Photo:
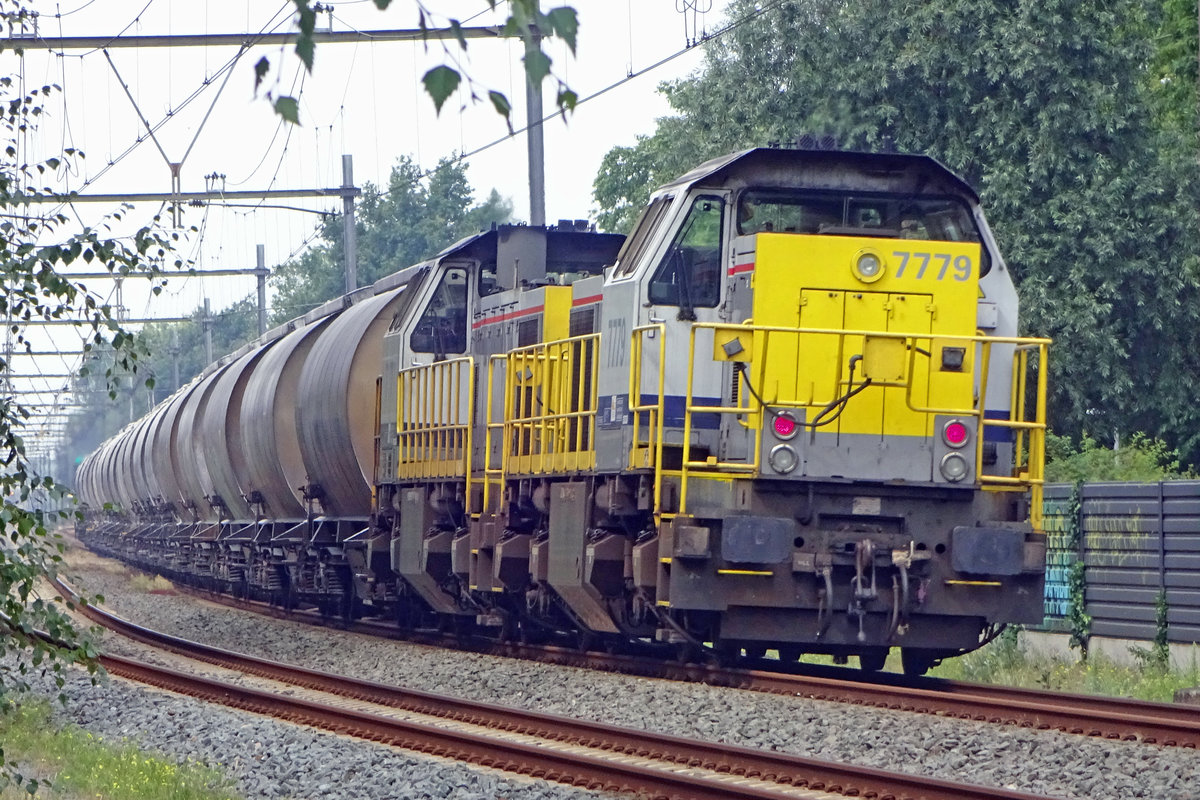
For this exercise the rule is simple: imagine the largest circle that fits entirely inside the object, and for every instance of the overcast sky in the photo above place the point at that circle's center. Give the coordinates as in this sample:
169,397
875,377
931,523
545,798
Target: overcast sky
363,99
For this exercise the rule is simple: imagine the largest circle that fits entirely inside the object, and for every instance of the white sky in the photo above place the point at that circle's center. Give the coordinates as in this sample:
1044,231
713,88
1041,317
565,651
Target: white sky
362,99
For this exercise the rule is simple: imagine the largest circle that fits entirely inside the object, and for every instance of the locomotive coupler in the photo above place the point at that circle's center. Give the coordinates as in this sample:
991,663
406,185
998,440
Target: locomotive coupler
864,591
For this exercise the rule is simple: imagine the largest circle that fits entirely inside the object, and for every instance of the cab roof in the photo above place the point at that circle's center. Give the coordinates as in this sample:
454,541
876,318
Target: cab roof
827,169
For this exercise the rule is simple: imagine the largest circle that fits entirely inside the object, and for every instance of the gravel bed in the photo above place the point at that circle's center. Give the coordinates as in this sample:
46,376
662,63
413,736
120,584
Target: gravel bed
1040,762
269,759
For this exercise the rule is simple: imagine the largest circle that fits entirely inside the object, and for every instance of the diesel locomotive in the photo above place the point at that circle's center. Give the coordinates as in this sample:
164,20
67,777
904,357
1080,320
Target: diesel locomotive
789,411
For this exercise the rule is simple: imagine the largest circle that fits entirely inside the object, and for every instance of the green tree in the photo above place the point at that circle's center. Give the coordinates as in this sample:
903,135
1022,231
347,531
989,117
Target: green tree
35,248
109,397
1045,107
410,220
1139,458
1173,74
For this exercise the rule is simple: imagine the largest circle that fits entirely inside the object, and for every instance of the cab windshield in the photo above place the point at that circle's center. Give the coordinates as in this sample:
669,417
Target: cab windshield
941,219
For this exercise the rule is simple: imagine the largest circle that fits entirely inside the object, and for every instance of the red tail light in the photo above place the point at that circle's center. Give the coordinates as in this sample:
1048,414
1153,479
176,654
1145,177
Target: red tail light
955,433
785,426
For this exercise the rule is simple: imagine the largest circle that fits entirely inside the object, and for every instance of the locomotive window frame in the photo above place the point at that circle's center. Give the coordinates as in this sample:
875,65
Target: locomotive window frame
689,275
442,326
637,242
921,217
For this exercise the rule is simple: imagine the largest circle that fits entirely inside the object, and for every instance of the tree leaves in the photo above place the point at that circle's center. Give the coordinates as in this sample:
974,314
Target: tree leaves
537,65
525,21
33,252
441,82
261,68
307,23
288,108
563,22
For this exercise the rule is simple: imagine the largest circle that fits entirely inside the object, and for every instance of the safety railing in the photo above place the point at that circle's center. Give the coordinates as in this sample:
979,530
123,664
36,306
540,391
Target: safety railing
549,400
647,409
435,408
1028,425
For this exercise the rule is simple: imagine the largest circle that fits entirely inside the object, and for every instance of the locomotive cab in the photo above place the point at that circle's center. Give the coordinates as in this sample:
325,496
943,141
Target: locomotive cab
847,450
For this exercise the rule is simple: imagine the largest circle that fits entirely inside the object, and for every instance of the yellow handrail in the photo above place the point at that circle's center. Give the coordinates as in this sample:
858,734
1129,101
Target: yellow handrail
551,394
1028,433
434,419
653,447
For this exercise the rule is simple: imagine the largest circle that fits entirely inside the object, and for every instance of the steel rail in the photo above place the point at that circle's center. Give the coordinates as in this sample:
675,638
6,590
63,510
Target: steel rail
779,772
1090,715
1097,716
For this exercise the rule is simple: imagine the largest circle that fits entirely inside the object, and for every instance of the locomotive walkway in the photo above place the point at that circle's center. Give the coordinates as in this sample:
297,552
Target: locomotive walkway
593,755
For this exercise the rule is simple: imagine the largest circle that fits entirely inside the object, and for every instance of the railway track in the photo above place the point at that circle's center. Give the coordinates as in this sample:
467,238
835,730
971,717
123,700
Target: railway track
580,753
1104,717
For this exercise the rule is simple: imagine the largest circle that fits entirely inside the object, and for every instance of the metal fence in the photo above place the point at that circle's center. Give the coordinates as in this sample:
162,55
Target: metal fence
1136,540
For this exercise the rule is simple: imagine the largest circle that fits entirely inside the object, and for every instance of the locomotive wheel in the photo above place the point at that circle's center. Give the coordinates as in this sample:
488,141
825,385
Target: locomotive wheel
917,662
790,654
345,608
726,654
687,653
873,660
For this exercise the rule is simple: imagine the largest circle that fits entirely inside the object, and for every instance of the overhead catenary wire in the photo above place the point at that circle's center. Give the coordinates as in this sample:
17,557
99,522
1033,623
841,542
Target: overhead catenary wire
271,26
633,75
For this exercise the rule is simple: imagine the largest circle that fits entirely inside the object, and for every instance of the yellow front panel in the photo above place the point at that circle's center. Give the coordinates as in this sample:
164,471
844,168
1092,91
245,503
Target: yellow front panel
819,308
923,289
556,315
909,313
865,311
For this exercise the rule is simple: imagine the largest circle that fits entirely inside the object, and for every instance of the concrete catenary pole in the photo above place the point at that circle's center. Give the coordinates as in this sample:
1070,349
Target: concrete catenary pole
537,149
262,289
349,230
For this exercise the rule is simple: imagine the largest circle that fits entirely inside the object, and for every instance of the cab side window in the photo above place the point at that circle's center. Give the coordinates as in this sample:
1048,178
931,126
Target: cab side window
690,275
442,329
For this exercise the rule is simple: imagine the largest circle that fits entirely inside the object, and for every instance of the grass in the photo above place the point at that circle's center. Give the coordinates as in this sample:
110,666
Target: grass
79,765
151,584
1006,661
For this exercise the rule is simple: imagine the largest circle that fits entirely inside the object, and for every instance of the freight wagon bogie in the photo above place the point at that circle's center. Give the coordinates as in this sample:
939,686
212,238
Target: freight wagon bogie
789,412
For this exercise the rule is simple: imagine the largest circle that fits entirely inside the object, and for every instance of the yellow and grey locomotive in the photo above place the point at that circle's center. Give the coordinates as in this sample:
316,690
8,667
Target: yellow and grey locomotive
789,411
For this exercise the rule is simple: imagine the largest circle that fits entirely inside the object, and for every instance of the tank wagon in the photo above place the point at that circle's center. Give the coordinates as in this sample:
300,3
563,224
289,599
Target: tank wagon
790,411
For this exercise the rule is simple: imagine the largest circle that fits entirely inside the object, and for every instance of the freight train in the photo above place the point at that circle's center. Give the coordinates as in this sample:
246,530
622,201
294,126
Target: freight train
790,411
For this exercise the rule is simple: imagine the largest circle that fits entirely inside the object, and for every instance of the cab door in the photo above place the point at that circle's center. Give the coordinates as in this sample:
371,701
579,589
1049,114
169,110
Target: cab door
686,286
434,402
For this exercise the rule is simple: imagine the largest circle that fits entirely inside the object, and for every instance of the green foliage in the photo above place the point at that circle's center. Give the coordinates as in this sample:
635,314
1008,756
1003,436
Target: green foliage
35,247
1141,458
1173,72
76,763
1156,658
411,219
440,83
526,21
1016,664
1078,620
1045,108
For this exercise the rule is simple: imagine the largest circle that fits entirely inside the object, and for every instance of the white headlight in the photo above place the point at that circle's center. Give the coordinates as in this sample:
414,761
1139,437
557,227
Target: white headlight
954,467
868,266
783,458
